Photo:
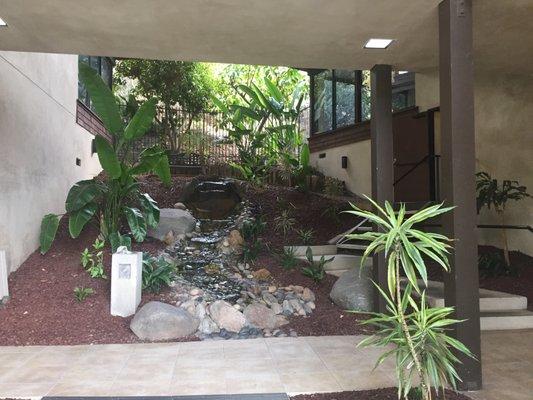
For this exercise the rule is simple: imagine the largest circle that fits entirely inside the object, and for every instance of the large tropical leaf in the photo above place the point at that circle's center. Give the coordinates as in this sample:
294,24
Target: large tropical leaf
49,226
136,222
102,98
141,121
78,219
162,170
81,194
304,156
108,158
151,210
273,90
116,240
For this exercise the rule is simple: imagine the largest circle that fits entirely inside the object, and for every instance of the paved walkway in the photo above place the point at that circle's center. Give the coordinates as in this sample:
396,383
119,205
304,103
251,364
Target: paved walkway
292,365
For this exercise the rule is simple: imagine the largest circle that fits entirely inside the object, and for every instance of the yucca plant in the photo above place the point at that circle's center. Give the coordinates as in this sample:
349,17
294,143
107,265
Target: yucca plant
417,331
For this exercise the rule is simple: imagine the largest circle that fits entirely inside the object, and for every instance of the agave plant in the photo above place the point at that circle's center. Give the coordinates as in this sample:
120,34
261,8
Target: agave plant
418,332
116,197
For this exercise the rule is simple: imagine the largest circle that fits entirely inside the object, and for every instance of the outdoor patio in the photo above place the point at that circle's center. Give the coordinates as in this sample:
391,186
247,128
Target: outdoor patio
292,365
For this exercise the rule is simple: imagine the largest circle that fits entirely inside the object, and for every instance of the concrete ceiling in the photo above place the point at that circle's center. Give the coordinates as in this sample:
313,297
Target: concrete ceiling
303,33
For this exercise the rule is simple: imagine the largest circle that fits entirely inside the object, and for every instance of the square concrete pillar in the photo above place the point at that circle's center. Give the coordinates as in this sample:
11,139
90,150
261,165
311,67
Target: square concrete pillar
126,282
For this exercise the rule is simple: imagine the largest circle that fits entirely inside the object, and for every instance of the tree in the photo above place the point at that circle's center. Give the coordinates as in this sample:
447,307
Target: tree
491,194
176,84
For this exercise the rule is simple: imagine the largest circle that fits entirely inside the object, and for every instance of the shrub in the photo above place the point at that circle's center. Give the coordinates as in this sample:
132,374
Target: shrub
315,269
333,186
284,223
81,293
416,332
93,260
251,229
493,264
251,250
288,258
116,197
306,235
157,272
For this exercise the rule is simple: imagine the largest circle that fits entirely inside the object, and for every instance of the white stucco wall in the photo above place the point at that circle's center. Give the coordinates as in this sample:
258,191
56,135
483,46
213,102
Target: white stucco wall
357,176
39,144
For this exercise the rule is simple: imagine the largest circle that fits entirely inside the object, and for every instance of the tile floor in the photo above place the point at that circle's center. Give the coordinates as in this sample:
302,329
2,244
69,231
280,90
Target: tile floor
292,365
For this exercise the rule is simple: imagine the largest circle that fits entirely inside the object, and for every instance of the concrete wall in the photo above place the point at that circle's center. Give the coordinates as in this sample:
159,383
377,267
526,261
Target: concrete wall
39,144
357,175
504,143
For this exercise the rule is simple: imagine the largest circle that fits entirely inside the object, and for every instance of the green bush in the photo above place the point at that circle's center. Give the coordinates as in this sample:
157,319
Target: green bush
157,273
493,265
333,186
81,293
93,260
252,229
116,197
284,223
288,258
306,235
315,269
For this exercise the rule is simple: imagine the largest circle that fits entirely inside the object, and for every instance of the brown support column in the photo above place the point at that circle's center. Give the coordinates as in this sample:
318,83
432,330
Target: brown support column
382,158
461,286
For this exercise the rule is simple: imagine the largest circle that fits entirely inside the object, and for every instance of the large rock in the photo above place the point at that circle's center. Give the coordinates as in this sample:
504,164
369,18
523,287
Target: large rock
354,291
226,316
171,219
161,321
211,198
263,317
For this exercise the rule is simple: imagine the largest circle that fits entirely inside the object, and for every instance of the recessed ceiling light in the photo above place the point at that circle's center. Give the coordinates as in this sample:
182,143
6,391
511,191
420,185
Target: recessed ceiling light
402,72
378,43
2,22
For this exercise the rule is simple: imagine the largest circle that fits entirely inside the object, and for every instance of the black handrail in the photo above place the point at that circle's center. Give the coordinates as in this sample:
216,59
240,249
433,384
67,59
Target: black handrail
488,226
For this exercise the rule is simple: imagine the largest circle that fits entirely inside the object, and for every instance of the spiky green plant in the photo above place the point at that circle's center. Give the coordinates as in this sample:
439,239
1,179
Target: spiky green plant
417,331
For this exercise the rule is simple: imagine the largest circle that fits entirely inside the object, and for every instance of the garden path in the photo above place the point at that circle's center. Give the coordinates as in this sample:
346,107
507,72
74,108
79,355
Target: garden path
292,365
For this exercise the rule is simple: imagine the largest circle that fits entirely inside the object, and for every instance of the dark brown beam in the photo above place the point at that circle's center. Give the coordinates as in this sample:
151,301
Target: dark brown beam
381,140
456,69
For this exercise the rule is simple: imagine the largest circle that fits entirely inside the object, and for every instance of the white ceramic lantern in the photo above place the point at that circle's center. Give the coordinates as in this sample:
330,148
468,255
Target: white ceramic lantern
4,290
126,282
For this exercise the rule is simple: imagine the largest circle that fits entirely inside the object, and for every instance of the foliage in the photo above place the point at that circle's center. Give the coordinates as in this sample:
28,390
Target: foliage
93,260
263,124
493,265
315,269
116,197
306,235
176,84
81,293
418,334
491,194
332,212
288,258
251,250
284,222
333,186
251,229
157,273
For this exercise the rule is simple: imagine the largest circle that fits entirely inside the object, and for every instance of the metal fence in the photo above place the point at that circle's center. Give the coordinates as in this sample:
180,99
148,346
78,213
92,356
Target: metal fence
202,138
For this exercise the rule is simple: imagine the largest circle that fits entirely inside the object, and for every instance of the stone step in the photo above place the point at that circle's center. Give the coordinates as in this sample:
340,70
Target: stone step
352,246
506,320
489,300
317,250
341,261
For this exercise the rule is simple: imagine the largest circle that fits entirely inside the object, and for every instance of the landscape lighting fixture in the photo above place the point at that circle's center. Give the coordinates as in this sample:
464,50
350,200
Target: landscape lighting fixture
378,43
2,22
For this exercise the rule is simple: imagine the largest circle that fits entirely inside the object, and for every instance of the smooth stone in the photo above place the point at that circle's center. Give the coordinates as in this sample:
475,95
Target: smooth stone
276,308
354,290
171,219
308,295
261,316
226,316
160,321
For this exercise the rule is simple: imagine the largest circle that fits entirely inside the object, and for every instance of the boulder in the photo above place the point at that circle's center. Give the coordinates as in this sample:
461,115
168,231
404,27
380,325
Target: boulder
211,198
171,219
160,321
262,274
354,291
226,316
262,317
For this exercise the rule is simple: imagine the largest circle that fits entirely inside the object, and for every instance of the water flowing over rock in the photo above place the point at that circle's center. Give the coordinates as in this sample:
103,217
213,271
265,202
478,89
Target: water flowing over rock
160,321
211,198
173,220
354,291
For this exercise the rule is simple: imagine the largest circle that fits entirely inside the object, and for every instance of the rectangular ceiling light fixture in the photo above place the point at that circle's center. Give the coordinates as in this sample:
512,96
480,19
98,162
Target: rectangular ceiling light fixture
2,22
378,43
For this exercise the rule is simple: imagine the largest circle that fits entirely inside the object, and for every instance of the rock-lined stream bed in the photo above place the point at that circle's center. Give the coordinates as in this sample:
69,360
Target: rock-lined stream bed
216,295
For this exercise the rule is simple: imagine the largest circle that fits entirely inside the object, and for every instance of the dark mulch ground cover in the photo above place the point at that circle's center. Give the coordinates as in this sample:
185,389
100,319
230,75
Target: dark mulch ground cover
376,394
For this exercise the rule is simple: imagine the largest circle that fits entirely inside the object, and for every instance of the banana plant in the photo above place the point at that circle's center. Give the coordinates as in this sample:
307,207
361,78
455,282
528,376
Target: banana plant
115,198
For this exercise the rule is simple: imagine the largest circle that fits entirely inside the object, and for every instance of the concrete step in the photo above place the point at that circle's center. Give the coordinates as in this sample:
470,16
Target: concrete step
506,320
489,300
317,250
340,262
352,246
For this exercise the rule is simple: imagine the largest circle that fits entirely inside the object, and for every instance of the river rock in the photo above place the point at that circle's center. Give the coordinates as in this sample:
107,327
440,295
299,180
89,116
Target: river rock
175,220
160,321
208,326
308,295
226,316
262,274
354,291
210,197
262,317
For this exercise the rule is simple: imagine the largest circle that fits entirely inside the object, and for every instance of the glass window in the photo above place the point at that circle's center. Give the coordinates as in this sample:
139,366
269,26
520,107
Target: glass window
345,97
104,68
323,92
403,90
365,96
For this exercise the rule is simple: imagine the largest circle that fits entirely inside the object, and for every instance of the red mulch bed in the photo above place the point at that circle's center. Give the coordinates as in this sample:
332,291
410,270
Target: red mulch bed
375,394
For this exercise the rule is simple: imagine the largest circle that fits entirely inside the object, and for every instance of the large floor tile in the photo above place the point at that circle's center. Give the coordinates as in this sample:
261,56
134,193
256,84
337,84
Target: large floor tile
310,382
